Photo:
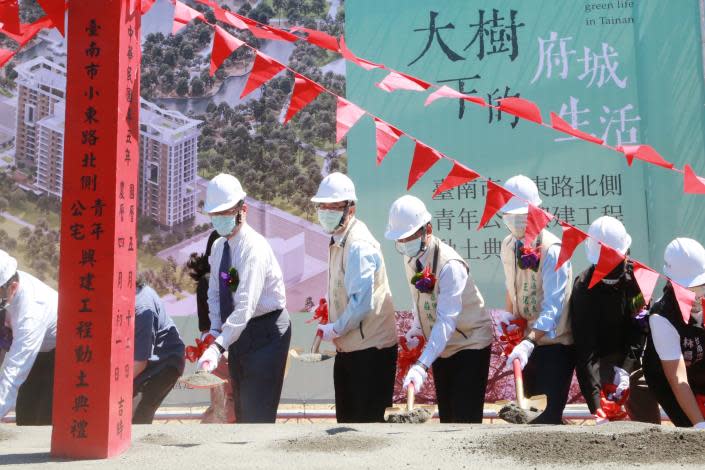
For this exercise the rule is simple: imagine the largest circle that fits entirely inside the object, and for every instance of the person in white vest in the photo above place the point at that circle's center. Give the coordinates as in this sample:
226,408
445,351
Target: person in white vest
361,313
448,313
28,339
539,294
247,306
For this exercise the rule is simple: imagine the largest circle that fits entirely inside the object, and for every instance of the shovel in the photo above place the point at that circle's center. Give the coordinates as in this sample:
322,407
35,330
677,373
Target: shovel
409,414
315,355
524,410
201,379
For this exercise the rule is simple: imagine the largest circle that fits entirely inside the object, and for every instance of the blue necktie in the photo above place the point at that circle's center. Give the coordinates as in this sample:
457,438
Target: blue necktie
226,297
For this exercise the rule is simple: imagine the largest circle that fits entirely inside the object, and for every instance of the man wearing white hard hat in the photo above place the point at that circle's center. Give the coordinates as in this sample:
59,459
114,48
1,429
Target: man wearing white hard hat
674,361
538,294
28,339
247,306
609,324
448,313
361,320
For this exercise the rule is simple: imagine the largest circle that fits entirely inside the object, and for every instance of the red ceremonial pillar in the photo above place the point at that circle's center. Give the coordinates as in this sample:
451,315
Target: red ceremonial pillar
94,354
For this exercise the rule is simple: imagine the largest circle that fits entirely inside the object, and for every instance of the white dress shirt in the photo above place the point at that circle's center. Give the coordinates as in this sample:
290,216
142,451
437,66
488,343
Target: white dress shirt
261,288
451,283
32,317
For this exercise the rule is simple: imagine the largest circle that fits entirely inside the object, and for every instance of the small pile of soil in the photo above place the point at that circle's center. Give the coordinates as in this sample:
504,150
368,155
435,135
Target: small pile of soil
650,446
415,416
202,380
511,413
333,443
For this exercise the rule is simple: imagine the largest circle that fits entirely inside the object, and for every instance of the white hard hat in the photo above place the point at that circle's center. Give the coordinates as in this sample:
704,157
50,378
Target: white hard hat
8,267
609,231
335,187
406,216
684,262
526,189
224,192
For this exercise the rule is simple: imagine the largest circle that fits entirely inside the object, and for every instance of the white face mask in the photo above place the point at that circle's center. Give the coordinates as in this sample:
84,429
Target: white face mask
410,248
224,224
516,223
329,219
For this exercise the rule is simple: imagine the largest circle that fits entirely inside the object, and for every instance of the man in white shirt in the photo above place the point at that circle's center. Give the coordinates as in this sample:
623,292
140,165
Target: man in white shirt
28,328
448,313
247,306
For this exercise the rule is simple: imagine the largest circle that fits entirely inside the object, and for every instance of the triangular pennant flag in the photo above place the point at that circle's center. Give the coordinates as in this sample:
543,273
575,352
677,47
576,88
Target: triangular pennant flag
685,298
458,175
10,16
424,158
386,135
225,16
497,197
304,92
560,125
447,92
536,221
348,55
29,31
647,279
572,237
609,259
146,5
398,81
346,116
5,56
224,44
692,183
522,108
269,32
645,153
183,15
263,70
56,10
319,38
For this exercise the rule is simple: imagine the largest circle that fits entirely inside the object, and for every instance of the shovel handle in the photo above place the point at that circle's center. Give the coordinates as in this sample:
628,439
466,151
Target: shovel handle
317,342
410,397
519,384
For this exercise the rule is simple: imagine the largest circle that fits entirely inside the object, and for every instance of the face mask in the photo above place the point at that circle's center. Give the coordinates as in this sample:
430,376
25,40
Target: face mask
329,219
698,304
516,223
410,248
225,224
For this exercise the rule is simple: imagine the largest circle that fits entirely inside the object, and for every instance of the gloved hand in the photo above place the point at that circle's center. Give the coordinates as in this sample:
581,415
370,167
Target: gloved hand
621,380
522,351
329,333
505,317
601,417
700,426
416,375
412,337
212,333
209,360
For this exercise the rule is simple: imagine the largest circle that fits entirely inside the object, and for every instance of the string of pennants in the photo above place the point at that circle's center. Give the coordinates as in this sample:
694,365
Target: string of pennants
348,114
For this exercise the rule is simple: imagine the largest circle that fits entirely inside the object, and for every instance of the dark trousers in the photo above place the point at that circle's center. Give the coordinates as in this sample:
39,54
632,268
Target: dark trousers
461,381
35,396
148,396
257,361
364,384
549,372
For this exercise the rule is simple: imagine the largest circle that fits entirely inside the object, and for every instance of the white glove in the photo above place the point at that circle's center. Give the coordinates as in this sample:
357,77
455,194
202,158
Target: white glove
416,375
329,333
412,337
521,351
213,333
505,317
700,426
209,359
621,380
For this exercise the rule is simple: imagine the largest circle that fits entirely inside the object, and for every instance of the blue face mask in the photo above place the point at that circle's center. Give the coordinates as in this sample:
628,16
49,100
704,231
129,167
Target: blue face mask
224,224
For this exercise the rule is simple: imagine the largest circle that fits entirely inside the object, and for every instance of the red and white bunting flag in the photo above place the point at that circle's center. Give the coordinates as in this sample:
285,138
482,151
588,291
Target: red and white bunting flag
224,44
304,92
271,33
145,5
645,153
424,158
264,69
5,56
399,81
225,16
183,15
647,279
609,259
537,220
10,16
572,237
685,298
318,38
692,183
386,136
349,55
346,116
29,31
522,108
497,197
458,175
447,92
560,125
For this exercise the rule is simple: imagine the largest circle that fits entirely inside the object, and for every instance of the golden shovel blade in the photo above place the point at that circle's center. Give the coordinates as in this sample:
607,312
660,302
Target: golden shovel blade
300,355
201,379
402,409
537,402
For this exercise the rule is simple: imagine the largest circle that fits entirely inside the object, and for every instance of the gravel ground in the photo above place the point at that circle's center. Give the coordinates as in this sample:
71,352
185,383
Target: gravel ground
385,446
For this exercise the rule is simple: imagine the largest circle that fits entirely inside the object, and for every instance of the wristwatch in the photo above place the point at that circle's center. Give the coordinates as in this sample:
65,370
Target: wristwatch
422,365
220,348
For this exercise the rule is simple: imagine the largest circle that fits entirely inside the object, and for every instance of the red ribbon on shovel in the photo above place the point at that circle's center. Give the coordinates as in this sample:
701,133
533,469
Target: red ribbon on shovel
613,410
511,338
193,353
